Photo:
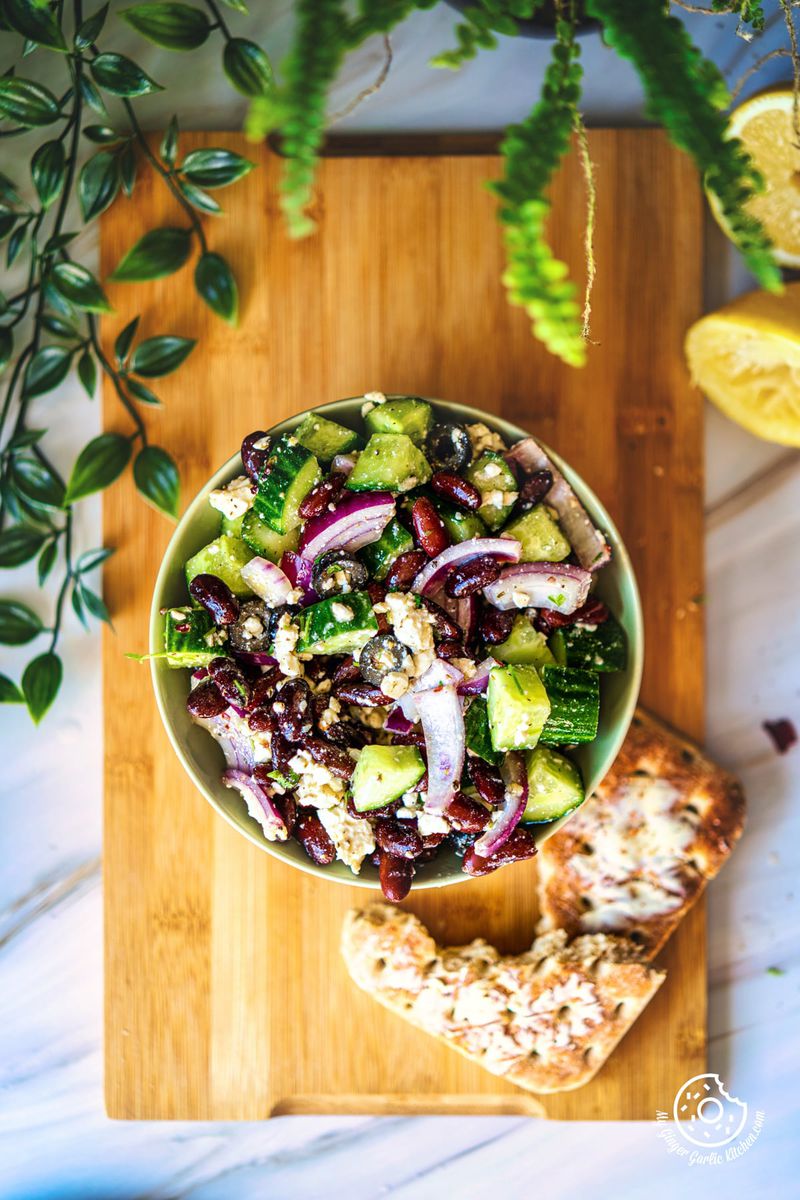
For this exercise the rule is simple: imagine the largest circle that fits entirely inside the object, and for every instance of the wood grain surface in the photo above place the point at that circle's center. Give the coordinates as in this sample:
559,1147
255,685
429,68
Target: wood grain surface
225,994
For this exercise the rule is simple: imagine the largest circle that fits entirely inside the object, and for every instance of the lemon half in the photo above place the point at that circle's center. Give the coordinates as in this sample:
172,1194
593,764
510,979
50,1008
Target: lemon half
765,125
746,358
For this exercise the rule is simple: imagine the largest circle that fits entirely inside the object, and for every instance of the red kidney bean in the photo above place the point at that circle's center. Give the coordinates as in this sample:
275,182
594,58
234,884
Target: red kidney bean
443,626
450,649
400,838
455,489
313,837
361,693
519,846
293,709
429,528
206,700
429,853
465,815
264,686
216,598
254,460
346,734
346,671
533,490
287,807
233,684
431,840
471,577
395,875
593,612
494,626
337,761
487,781
282,754
325,493
405,569
414,737
261,720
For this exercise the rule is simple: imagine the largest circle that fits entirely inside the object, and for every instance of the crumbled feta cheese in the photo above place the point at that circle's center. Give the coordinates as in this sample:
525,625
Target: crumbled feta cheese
371,399
429,823
337,582
291,441
484,438
341,612
286,636
330,715
412,625
491,470
262,443
252,627
521,599
405,814
352,836
316,786
466,666
216,637
368,716
235,499
395,684
499,499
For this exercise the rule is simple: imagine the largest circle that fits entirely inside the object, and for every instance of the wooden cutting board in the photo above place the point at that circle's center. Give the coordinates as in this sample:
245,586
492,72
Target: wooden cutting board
225,995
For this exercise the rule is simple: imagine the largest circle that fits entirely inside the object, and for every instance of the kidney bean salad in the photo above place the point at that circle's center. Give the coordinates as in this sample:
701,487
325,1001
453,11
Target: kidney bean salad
394,638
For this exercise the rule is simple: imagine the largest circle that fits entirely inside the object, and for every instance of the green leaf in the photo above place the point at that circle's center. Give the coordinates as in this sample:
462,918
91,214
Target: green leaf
158,356
80,287
156,476
127,169
35,22
169,142
248,67
15,243
9,195
121,76
93,558
160,252
19,545
7,223
98,183
95,604
6,348
199,199
46,562
58,326
92,97
27,103
46,370
142,393
18,623
9,692
236,5
173,26
99,463
25,438
88,31
215,168
102,135
215,282
87,373
124,341
57,242
48,170
77,605
37,483
41,680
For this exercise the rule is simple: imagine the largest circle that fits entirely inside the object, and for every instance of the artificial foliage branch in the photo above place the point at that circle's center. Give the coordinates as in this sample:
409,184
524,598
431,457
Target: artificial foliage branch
49,327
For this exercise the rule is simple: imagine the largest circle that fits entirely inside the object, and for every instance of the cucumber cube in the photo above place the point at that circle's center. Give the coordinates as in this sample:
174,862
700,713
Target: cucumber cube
408,415
524,645
555,785
224,557
338,625
325,439
518,707
390,462
378,556
383,773
190,638
539,535
574,696
477,733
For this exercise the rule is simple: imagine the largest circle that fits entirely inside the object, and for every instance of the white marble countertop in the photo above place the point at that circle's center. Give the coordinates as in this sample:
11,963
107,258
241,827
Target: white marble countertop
55,1140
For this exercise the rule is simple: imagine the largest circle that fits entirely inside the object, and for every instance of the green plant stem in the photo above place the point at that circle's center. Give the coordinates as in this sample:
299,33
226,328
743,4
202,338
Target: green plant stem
69,574
127,403
166,176
220,20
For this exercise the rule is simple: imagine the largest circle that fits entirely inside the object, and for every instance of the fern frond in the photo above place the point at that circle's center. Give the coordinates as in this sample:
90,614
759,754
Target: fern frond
480,24
532,150
685,93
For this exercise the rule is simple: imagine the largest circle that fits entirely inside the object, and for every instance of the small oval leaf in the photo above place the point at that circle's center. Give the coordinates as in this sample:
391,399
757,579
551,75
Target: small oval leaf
169,142
37,483
99,463
142,393
160,252
48,169
46,370
92,97
27,103
41,680
18,623
80,287
199,199
19,545
215,168
173,26
35,22
248,67
121,76
156,477
160,355
6,348
88,31
46,562
9,692
124,341
215,282
87,373
98,183
102,135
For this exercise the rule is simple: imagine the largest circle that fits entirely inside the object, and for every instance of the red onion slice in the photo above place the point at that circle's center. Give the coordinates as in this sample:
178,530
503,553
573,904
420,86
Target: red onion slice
268,581
343,464
236,745
397,722
504,820
443,726
560,587
255,658
354,522
259,804
432,576
589,543
299,571
439,674
480,680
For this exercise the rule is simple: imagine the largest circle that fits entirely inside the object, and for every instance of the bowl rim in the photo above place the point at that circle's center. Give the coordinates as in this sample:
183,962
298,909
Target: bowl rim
466,414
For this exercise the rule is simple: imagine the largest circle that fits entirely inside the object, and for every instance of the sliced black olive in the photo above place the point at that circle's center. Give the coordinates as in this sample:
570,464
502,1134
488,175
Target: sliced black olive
274,615
336,572
448,448
251,629
380,657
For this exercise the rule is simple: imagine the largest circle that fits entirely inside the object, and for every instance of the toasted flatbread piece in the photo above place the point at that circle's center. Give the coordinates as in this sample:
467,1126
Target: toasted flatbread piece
545,1020
639,852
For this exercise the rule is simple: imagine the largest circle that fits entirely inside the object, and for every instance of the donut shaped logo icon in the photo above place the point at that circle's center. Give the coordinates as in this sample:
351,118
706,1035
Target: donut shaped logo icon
705,1114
